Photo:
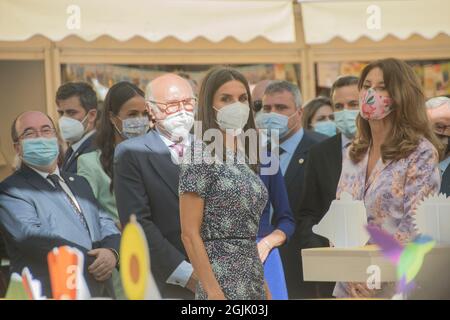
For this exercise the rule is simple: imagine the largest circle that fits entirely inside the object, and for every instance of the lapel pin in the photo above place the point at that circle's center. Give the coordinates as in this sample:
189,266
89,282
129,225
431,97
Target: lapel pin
71,179
301,161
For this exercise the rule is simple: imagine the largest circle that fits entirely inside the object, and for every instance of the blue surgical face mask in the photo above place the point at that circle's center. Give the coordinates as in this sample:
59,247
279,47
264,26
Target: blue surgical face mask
40,152
327,128
273,121
346,122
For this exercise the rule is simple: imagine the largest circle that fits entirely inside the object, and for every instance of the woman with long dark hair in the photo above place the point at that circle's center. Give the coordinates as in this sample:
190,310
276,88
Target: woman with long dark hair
124,116
392,164
221,196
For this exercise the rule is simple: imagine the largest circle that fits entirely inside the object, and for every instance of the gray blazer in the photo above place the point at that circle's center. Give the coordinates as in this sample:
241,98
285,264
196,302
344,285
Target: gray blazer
146,184
35,219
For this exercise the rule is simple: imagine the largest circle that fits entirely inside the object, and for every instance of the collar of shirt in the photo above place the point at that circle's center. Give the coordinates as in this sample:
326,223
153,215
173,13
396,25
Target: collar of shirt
292,143
169,142
345,141
77,145
444,164
46,174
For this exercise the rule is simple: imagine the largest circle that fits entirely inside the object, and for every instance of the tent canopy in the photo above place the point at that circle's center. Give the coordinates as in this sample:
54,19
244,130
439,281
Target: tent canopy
350,20
153,20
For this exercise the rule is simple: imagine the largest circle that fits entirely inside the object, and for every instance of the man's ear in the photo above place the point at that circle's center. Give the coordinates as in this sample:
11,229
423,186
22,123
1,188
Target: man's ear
18,148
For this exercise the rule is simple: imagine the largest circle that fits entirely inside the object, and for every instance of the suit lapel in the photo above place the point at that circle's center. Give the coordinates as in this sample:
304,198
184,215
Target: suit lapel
85,147
43,186
161,160
298,159
77,192
338,151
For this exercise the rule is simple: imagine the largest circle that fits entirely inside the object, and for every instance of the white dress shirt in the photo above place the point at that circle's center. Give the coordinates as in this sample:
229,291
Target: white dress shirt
184,270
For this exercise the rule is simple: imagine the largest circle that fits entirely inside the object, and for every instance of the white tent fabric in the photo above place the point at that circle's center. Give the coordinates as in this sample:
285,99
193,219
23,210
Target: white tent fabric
153,20
350,20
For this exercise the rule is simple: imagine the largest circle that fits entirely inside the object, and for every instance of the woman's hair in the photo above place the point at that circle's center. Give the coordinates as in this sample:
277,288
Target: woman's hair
310,109
116,97
206,114
409,117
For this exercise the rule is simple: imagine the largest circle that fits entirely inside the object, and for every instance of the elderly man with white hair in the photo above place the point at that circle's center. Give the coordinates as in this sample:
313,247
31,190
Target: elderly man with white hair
439,114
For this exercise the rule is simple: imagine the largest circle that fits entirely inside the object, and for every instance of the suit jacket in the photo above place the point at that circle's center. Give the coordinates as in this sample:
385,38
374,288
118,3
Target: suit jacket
146,184
445,184
293,177
35,219
70,161
322,173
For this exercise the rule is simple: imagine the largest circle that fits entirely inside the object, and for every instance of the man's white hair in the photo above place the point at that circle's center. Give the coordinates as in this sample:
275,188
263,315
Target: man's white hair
437,102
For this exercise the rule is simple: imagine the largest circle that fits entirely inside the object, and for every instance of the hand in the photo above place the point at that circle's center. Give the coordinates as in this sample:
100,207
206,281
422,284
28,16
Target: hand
104,264
359,290
264,249
268,294
192,283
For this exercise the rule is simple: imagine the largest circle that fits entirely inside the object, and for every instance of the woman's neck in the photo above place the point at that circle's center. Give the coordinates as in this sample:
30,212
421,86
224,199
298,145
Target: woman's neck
230,142
380,130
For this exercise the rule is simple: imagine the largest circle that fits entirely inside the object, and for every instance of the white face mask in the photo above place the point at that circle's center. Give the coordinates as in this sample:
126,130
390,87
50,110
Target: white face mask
233,116
178,125
71,130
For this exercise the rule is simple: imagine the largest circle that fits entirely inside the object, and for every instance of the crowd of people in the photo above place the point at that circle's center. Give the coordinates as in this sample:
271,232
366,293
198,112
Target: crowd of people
220,229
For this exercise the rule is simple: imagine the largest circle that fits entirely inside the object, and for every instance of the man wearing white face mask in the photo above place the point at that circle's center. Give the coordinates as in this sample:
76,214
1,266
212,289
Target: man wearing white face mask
146,175
282,111
77,108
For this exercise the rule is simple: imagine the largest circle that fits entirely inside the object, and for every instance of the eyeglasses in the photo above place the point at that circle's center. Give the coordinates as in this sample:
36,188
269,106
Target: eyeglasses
257,105
441,128
31,133
175,106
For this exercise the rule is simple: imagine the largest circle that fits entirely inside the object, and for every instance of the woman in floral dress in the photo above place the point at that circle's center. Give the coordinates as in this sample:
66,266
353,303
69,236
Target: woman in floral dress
221,195
392,164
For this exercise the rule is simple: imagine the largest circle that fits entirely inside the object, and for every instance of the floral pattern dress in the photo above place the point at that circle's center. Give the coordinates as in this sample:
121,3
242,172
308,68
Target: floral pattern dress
394,189
234,198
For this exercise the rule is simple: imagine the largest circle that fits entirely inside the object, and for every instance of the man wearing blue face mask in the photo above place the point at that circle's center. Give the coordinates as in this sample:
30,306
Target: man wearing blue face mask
42,208
323,169
77,108
281,110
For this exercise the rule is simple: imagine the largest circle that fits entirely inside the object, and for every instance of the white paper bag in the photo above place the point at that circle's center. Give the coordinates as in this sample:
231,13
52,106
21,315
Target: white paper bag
433,218
344,223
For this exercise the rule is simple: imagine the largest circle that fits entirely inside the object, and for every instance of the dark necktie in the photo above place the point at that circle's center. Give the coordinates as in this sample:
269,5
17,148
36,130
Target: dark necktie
55,179
280,149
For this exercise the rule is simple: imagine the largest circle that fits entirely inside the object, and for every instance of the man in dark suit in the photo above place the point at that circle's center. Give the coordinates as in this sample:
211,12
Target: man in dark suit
77,108
323,171
42,208
438,109
146,174
281,109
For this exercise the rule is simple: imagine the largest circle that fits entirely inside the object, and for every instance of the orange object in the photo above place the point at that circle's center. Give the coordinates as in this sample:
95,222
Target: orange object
63,265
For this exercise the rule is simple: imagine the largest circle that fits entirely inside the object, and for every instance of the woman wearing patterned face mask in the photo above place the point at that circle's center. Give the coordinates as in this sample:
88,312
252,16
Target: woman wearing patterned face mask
392,164
124,116
221,201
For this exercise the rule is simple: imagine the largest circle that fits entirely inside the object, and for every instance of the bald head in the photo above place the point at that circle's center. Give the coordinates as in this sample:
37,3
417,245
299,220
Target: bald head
30,120
169,87
258,90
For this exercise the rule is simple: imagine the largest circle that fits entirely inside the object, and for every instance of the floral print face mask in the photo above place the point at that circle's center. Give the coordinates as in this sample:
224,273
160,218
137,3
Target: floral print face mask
374,106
